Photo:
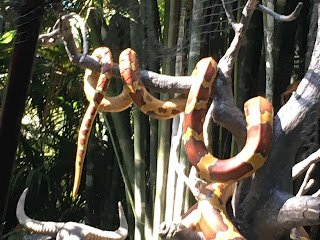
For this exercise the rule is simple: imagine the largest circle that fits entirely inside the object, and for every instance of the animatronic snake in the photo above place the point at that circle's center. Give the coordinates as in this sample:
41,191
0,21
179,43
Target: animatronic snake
105,56
211,217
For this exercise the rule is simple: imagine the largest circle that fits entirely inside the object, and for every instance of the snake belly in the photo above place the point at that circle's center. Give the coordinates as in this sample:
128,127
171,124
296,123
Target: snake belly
155,108
209,214
105,56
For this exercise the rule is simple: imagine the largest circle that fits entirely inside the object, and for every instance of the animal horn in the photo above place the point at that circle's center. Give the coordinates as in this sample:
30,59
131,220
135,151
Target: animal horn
120,234
46,228
70,230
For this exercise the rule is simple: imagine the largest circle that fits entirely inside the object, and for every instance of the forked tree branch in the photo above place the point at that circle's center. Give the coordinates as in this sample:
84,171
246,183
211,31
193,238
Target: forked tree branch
154,81
223,108
307,181
303,166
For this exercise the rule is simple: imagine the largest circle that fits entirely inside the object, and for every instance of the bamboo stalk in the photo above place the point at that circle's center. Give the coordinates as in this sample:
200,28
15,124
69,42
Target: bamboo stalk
139,168
171,180
183,163
162,165
175,150
124,176
111,205
165,125
268,22
195,41
153,27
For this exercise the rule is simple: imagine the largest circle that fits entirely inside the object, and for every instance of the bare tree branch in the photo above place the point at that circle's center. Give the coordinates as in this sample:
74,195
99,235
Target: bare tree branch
316,194
306,182
152,80
228,10
223,108
302,166
300,211
52,38
282,18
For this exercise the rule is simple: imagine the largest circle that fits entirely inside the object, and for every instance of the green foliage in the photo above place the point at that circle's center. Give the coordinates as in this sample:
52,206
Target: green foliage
7,37
16,234
46,151
161,6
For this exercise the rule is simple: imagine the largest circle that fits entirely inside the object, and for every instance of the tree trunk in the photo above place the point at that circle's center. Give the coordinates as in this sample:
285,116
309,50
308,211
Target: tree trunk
164,132
153,50
272,185
12,109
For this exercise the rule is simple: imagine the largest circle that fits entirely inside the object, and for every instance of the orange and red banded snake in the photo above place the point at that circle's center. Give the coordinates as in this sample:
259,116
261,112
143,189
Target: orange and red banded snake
108,104
209,214
259,114
105,56
212,219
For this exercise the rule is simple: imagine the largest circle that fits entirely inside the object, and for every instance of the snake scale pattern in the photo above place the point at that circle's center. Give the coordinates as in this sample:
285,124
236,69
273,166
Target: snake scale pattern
210,216
104,55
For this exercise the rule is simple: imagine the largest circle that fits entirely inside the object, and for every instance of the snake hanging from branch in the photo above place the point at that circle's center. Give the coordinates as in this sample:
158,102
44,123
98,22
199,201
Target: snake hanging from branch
209,214
133,91
108,104
96,93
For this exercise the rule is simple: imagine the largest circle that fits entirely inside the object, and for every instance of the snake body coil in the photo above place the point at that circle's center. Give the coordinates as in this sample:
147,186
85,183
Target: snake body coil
129,70
209,214
259,117
108,104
